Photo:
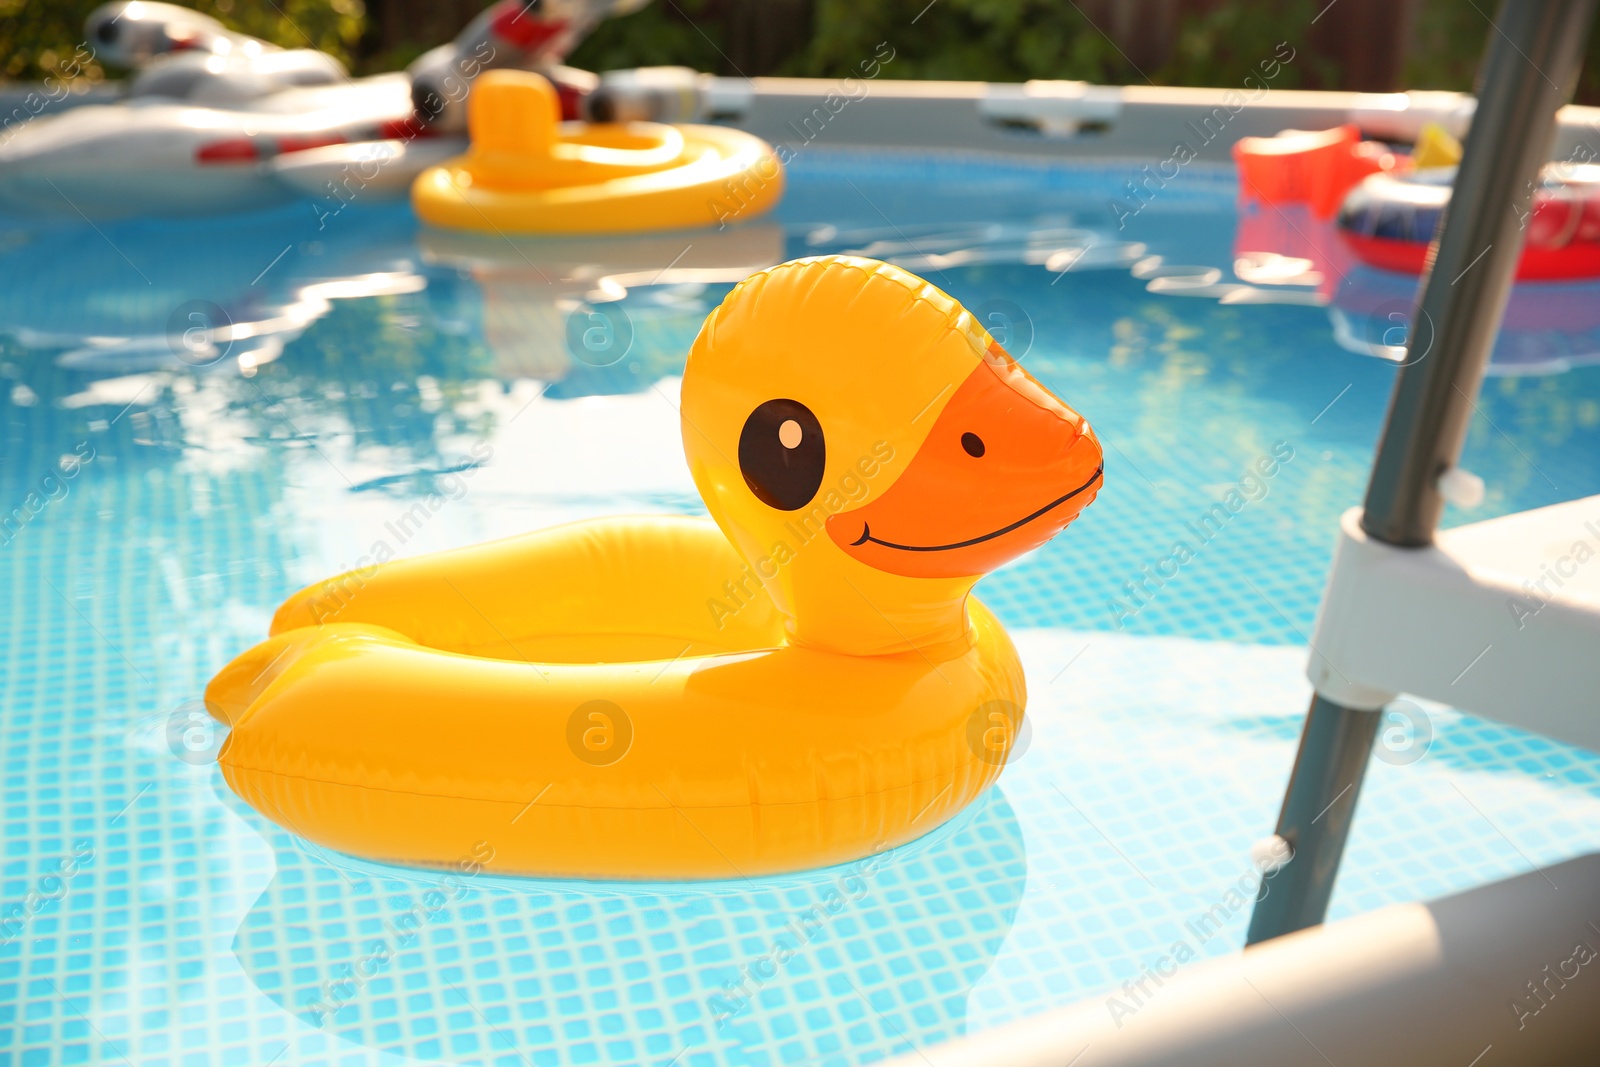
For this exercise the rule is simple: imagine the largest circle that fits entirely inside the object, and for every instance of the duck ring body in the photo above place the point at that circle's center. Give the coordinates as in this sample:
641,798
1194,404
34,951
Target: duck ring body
802,681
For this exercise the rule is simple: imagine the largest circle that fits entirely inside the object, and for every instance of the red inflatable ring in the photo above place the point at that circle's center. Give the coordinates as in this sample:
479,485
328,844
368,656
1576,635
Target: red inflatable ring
1389,221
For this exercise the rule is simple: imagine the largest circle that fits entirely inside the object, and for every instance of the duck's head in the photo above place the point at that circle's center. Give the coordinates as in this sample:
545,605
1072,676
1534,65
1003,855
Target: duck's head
872,452
519,144
514,117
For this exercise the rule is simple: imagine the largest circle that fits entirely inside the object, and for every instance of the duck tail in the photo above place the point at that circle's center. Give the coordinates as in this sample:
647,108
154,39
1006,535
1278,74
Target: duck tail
237,686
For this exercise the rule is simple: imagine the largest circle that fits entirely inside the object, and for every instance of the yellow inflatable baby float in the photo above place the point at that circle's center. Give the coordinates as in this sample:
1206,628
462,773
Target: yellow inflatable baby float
529,173
801,682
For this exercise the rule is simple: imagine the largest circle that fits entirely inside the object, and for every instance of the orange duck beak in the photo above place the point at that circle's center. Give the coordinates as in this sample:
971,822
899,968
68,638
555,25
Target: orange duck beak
1005,468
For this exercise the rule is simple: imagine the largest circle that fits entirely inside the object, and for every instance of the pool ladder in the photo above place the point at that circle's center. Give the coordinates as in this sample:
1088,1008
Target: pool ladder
1440,616
1494,618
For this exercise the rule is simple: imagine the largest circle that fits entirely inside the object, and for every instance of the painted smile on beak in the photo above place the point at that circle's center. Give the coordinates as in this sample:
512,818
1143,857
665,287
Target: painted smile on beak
866,530
1005,468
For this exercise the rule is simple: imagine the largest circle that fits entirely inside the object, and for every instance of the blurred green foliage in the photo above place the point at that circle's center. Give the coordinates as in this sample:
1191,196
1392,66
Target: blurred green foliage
983,40
666,33
1014,40
333,26
1437,58
37,36
1449,40
1216,44
1219,47
993,40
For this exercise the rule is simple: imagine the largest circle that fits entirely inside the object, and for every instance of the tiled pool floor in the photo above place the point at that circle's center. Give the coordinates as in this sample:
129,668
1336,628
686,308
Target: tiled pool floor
148,919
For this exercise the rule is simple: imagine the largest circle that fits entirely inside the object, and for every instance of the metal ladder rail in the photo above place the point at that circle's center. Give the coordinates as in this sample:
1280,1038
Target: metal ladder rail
1531,68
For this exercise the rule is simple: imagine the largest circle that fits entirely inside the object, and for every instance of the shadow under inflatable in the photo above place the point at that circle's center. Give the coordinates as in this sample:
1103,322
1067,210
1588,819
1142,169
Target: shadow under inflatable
845,963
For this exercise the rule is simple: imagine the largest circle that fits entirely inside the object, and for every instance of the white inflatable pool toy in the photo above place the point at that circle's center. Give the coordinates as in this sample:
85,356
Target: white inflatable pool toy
338,175
137,32
218,121
507,34
154,155
205,115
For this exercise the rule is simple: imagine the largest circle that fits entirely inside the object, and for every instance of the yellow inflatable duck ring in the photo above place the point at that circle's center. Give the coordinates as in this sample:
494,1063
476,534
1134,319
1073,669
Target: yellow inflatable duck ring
801,682
527,172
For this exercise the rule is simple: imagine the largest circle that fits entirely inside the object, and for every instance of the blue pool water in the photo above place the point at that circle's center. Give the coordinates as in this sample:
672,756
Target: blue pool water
148,918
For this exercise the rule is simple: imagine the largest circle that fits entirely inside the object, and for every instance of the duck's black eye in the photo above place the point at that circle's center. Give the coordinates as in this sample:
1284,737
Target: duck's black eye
973,444
781,454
